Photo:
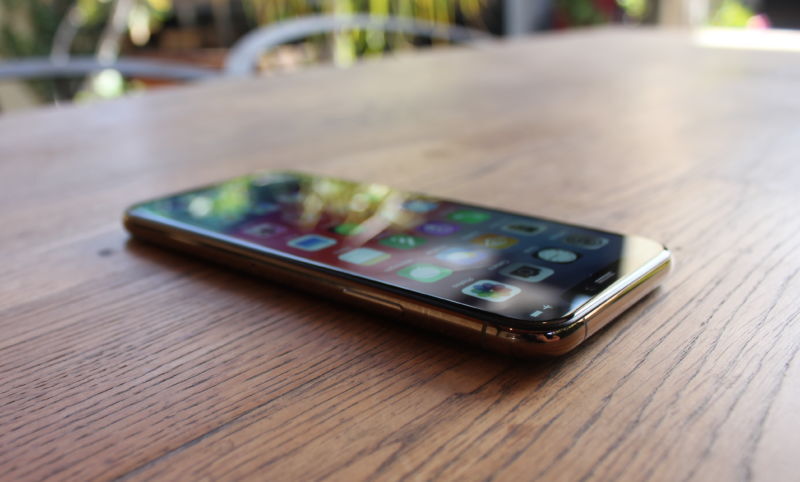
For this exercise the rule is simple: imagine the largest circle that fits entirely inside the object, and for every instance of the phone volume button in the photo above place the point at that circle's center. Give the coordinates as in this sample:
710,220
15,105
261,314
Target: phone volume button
374,301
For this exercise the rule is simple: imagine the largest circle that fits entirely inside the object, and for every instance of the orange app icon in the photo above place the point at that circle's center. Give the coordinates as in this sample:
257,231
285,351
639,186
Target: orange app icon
494,241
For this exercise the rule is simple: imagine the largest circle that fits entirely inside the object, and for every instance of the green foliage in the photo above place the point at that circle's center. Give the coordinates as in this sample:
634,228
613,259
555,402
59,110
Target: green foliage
21,25
28,27
731,14
636,9
581,12
347,46
268,11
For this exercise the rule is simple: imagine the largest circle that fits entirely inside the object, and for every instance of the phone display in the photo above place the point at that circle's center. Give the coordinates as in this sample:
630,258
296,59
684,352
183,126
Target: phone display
481,261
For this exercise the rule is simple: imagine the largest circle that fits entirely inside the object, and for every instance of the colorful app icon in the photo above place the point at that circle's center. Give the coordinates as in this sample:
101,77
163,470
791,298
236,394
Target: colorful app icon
524,228
420,205
527,272
468,216
263,230
425,273
489,290
464,256
438,228
311,242
348,229
366,256
494,241
557,255
403,241
586,241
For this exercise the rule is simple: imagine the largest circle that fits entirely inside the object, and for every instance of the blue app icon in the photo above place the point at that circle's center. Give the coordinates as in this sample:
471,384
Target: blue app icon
438,228
312,242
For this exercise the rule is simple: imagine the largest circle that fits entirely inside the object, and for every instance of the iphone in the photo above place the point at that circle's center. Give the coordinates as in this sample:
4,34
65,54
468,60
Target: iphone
518,284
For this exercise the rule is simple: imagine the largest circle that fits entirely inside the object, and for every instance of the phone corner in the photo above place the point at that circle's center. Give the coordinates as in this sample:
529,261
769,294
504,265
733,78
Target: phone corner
128,217
131,219
540,344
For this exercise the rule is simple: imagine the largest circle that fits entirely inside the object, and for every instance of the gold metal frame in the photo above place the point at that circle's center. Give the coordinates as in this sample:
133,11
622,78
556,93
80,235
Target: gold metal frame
652,266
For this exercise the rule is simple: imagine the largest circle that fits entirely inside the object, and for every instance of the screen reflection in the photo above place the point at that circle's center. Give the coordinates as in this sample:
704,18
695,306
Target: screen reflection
506,264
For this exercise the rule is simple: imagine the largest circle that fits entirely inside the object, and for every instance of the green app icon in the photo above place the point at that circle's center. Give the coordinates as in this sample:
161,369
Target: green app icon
468,216
348,229
402,241
425,273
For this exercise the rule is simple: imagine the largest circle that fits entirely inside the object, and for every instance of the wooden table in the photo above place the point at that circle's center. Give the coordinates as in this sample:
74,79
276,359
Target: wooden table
120,360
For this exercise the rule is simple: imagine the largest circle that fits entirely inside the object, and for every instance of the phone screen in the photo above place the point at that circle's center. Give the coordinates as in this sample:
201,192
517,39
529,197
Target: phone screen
473,258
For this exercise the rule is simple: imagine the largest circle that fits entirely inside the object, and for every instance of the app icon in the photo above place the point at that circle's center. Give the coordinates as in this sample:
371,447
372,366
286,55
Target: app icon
468,216
426,273
311,242
263,230
365,256
403,241
494,241
463,256
527,272
587,241
420,205
438,228
524,228
557,255
199,206
264,208
491,290
348,229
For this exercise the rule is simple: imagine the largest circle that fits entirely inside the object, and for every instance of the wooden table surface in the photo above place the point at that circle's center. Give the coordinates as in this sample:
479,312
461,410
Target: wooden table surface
120,360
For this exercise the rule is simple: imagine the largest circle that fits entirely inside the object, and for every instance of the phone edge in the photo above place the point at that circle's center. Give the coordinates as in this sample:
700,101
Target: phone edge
509,341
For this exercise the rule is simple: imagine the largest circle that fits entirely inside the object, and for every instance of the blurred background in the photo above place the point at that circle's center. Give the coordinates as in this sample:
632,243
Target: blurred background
56,51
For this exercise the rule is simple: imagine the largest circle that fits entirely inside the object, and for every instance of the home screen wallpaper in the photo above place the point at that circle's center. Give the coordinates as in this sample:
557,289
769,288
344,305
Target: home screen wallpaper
507,264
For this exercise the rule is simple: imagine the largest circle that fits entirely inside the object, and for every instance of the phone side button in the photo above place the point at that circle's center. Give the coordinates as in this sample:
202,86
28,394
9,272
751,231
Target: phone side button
375,302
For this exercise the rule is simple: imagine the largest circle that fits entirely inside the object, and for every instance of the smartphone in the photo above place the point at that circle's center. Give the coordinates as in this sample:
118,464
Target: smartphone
518,284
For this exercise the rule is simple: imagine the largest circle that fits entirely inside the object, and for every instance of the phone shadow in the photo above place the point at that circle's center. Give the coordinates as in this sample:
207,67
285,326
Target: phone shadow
305,325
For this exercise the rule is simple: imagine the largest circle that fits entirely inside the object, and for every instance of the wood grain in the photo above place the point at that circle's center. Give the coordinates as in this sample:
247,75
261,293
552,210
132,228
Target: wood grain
118,360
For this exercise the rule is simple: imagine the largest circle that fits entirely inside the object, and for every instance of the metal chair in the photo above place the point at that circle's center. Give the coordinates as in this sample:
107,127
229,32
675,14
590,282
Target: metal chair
243,57
45,67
